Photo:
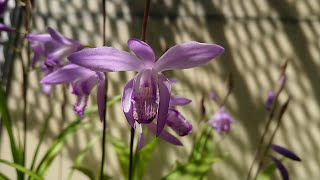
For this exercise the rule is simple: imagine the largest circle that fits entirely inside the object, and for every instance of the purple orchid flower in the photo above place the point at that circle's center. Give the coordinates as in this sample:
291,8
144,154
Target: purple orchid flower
54,47
283,170
221,121
3,6
147,95
83,81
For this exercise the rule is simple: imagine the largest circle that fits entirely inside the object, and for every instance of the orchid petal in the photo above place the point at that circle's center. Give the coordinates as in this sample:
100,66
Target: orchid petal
39,37
179,101
6,28
142,50
165,135
66,74
142,140
106,59
285,152
164,98
127,104
188,55
101,99
283,170
58,36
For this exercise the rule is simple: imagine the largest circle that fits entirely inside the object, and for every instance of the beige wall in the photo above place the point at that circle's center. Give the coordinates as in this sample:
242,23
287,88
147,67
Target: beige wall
258,37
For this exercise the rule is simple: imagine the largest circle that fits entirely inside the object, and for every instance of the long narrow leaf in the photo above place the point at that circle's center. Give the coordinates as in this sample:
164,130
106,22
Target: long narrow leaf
81,156
59,141
3,177
20,168
57,145
143,157
85,171
5,116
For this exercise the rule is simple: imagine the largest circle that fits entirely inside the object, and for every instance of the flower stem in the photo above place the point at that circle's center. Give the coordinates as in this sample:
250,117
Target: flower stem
131,165
143,38
145,19
103,143
264,152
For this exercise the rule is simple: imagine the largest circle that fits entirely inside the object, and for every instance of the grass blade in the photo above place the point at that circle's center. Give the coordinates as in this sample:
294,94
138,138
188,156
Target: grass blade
20,168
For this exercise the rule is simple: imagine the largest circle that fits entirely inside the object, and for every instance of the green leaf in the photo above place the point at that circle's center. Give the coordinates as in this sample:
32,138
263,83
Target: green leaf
57,145
82,155
85,171
59,141
6,119
3,177
122,152
267,173
20,168
200,160
143,157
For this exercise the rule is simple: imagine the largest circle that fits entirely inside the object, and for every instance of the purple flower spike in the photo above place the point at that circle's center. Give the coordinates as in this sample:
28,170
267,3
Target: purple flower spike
283,170
221,121
285,152
83,81
270,100
147,95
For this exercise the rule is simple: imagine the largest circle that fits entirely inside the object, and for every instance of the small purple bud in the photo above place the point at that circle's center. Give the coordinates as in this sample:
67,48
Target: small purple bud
221,121
283,170
178,123
270,100
213,96
285,152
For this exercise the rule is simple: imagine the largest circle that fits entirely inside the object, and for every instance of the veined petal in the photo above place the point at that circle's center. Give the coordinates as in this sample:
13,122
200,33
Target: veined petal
164,98
164,135
127,104
66,74
143,51
283,170
101,99
106,59
179,101
188,55
144,96
57,36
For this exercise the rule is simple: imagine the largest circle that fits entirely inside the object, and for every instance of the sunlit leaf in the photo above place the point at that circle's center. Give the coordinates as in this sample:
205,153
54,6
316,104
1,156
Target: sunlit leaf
85,171
20,168
6,119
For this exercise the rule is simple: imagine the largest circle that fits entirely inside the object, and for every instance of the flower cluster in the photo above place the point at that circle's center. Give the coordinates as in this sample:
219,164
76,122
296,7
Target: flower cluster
52,48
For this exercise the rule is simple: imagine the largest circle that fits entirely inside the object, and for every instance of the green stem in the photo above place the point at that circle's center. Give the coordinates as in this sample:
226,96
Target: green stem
131,164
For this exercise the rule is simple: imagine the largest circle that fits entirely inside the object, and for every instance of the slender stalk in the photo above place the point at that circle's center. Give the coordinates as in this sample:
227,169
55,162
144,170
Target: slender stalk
131,164
143,38
63,118
145,19
103,143
264,153
265,131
